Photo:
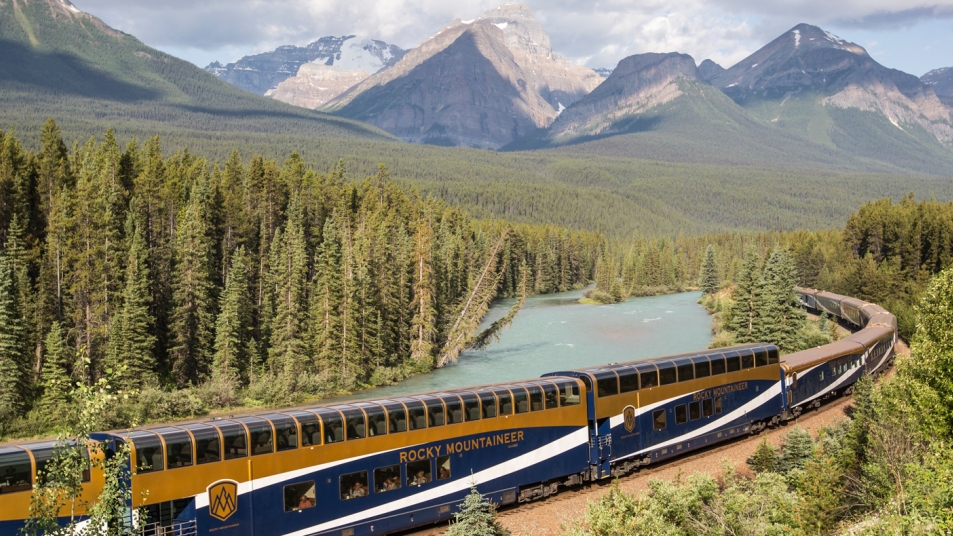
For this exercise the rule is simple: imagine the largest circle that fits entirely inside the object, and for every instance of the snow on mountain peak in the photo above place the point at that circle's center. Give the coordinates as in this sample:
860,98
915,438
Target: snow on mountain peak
70,6
797,38
361,54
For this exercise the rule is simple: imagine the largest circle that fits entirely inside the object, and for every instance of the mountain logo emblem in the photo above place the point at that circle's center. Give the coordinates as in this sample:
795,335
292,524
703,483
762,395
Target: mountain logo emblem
628,414
223,499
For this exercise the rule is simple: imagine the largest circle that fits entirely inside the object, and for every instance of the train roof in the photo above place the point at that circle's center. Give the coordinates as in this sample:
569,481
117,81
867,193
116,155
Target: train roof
805,359
664,360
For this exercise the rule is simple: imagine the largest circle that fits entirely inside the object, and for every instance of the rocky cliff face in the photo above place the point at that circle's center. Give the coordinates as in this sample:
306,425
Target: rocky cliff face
639,83
481,83
809,60
316,84
941,80
263,72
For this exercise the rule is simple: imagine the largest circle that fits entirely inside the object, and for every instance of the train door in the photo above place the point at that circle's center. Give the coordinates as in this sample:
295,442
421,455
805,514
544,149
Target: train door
598,445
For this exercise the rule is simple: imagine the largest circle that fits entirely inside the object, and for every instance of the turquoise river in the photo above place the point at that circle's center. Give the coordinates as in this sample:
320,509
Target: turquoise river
556,332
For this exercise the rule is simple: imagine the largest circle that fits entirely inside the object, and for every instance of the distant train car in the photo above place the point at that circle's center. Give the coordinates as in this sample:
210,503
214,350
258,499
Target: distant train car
828,302
811,376
645,411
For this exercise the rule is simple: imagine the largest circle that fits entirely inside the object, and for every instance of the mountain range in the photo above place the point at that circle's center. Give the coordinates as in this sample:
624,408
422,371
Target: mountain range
494,82
808,99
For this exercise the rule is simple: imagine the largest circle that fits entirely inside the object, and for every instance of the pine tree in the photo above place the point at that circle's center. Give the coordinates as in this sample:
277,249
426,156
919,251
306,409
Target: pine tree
747,295
132,343
477,517
55,377
14,389
709,280
233,326
193,319
796,451
289,275
764,459
423,325
781,320
325,300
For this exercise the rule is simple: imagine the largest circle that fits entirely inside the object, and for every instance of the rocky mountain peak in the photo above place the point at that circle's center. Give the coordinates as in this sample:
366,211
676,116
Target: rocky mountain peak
941,81
709,69
639,83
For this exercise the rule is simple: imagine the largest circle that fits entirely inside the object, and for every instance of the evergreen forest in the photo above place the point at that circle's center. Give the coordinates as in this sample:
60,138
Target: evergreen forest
198,285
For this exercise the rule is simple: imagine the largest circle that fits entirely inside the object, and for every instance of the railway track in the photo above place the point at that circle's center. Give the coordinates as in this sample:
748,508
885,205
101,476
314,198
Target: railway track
546,517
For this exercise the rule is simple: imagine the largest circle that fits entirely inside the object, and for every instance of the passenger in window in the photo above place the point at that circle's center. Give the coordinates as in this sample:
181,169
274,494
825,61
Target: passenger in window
421,478
358,490
443,474
305,502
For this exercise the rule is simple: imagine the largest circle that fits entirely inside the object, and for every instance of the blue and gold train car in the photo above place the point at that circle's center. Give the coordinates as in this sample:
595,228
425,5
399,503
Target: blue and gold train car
363,468
645,411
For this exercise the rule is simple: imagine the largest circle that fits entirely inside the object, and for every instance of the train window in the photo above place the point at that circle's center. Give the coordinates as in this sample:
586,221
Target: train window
208,446
376,419
658,419
416,414
569,394
43,453
717,405
436,415
707,407
506,401
822,375
310,427
717,365
607,383
760,357
471,407
734,362
681,416
286,432
694,411
387,479
261,439
178,448
454,408
686,371
488,404
648,378
520,399
148,452
354,486
702,367
299,496
419,473
773,356
16,472
355,423
535,397
551,394
333,426
666,373
396,417
443,467
747,359
234,442
628,380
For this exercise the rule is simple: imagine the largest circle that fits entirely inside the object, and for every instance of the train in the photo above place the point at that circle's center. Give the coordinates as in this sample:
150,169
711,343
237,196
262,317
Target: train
381,466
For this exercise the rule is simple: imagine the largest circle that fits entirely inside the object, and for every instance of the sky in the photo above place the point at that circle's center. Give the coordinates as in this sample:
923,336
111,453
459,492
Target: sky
914,36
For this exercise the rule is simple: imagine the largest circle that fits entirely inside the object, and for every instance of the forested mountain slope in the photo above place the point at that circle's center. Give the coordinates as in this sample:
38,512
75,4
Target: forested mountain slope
56,61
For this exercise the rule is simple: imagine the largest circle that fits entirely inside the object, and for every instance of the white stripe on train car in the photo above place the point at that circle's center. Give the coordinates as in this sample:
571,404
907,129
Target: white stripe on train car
768,394
546,452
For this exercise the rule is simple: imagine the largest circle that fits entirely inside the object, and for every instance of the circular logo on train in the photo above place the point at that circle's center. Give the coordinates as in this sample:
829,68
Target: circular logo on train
223,499
628,414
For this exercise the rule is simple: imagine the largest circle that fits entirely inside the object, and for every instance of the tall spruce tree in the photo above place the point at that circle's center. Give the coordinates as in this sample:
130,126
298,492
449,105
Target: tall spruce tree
709,280
55,377
192,317
423,325
289,269
234,324
325,321
14,389
781,320
132,343
745,312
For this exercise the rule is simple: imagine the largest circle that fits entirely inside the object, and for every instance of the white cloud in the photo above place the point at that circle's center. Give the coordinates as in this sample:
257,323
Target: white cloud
598,33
